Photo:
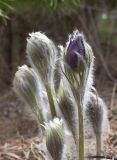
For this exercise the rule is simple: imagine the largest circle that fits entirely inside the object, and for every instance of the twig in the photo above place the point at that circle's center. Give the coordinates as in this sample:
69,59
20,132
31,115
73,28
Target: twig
113,96
105,157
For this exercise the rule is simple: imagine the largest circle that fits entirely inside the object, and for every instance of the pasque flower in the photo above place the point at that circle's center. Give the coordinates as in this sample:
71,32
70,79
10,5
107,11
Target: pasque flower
78,59
69,113
78,53
79,64
42,55
75,47
55,138
97,114
26,86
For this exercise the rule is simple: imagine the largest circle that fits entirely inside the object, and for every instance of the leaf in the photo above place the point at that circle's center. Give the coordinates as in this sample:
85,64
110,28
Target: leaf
6,5
3,14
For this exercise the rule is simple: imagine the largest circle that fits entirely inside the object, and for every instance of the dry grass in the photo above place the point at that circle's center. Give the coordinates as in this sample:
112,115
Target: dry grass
30,149
22,150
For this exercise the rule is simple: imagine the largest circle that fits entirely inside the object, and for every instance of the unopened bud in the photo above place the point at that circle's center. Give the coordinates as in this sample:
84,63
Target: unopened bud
78,53
78,59
41,54
69,112
97,113
55,138
26,86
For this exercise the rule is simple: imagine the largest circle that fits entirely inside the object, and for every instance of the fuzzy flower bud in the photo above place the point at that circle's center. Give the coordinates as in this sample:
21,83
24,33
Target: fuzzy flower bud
41,54
97,113
78,59
26,86
69,111
55,138
77,52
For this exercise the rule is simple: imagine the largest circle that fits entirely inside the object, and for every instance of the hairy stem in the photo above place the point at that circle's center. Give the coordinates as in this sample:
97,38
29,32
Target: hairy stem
81,132
80,125
98,144
41,118
51,101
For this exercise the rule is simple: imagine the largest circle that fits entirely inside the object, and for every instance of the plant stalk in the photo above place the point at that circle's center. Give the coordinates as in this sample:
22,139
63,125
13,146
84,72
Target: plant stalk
51,101
81,132
41,118
98,144
80,125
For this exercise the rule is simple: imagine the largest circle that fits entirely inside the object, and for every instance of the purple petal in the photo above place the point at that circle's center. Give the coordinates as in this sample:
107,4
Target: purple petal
76,46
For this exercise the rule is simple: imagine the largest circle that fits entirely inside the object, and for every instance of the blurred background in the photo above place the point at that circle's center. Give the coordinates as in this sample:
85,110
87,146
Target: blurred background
97,19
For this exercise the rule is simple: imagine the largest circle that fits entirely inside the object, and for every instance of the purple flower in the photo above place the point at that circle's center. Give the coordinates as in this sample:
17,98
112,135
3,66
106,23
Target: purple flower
75,46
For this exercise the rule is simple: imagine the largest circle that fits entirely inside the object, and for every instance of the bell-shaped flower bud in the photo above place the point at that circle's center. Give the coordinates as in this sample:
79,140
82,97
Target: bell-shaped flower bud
55,138
69,111
74,49
78,58
97,113
26,86
78,53
42,55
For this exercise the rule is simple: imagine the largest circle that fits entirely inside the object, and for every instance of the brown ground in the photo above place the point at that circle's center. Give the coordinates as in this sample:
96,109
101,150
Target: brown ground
17,122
